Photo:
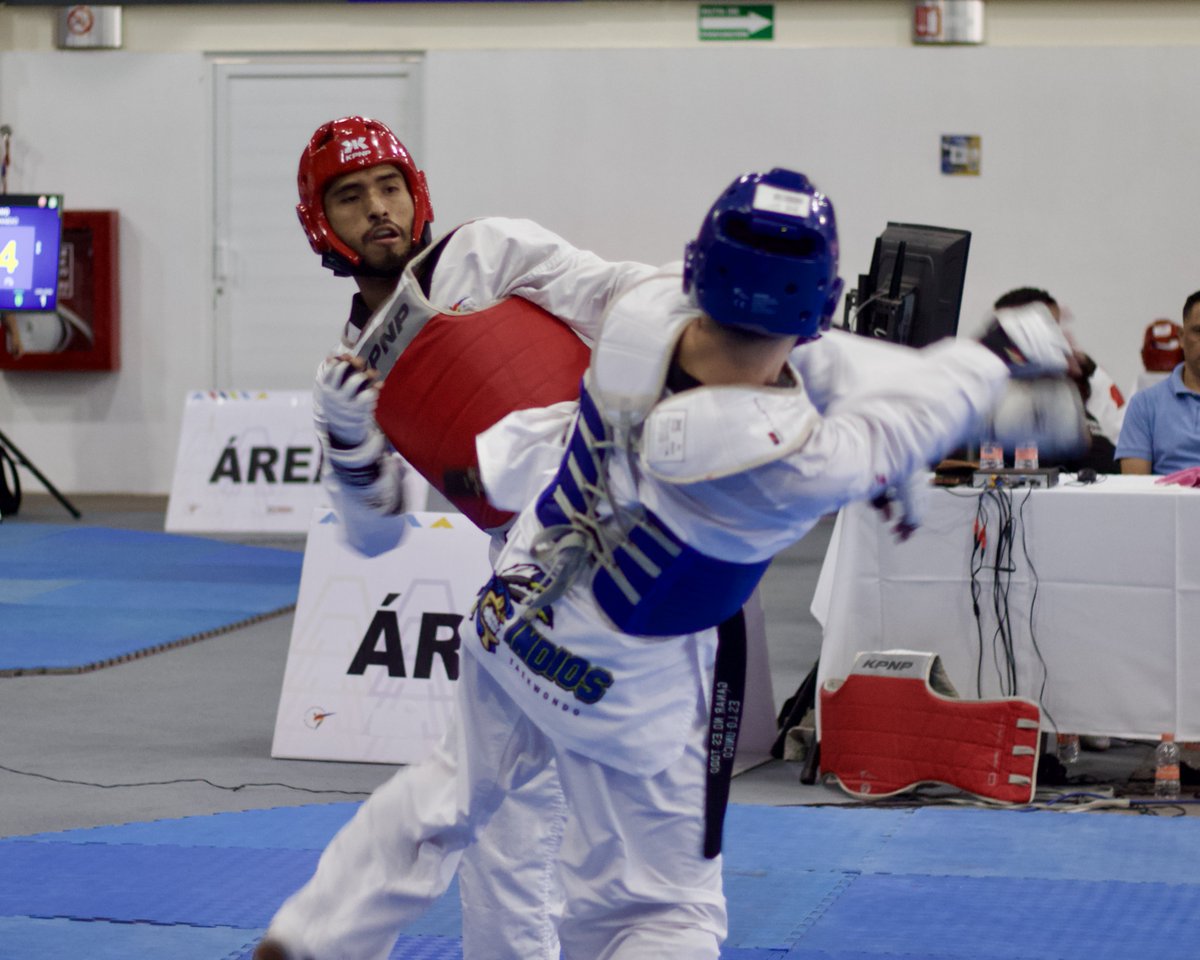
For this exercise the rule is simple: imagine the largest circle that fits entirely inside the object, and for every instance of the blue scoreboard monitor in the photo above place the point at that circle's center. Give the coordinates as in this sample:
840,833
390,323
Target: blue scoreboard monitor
30,237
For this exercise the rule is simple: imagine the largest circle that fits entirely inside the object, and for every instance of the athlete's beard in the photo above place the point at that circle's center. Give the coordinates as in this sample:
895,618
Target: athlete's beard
390,270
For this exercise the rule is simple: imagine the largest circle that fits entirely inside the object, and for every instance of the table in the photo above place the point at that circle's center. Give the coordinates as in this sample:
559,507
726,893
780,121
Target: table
1116,617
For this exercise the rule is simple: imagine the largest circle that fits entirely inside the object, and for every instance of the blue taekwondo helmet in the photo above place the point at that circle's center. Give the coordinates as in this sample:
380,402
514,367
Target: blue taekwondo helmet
766,257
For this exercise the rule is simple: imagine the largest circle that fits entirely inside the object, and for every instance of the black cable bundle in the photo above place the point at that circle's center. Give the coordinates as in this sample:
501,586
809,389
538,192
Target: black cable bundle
1008,526
1002,570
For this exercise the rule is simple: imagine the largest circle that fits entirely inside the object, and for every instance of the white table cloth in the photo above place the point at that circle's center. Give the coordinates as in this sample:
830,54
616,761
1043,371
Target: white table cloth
1116,615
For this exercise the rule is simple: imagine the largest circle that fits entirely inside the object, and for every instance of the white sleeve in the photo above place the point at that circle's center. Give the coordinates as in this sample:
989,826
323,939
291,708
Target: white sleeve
862,444
520,453
842,364
902,421
492,258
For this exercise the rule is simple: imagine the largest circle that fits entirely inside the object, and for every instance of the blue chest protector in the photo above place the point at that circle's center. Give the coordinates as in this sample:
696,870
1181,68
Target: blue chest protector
645,579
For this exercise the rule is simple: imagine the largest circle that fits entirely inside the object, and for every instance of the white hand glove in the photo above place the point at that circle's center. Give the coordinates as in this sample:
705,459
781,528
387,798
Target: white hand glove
344,398
910,495
1047,410
1029,340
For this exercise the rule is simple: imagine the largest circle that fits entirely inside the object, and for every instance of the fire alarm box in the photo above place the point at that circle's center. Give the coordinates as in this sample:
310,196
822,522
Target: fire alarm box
83,333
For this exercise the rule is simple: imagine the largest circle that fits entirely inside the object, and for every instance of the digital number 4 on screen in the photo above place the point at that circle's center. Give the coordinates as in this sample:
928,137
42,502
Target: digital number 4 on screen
30,239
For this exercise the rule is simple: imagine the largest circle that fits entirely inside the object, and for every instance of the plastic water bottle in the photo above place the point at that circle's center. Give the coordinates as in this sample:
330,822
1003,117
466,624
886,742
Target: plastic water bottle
1166,769
1068,748
1025,456
991,456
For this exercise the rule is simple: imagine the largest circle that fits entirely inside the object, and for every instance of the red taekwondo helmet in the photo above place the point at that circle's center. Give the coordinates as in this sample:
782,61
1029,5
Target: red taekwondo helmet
766,257
1161,349
340,147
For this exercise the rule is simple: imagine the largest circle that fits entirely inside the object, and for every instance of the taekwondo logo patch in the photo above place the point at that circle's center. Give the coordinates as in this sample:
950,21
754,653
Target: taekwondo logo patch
355,148
497,620
494,606
315,716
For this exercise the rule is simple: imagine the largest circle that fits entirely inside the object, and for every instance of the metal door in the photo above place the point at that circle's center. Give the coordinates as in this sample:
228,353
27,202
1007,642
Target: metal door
277,312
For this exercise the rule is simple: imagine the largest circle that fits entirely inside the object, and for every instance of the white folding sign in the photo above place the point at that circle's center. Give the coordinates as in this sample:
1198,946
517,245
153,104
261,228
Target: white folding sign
374,654
248,462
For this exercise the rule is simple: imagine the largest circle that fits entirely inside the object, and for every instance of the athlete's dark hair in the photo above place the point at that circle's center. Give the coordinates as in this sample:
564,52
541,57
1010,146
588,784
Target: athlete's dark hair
1023,296
1189,303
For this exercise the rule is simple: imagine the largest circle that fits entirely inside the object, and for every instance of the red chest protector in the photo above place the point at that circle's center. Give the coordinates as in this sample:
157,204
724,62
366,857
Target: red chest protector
895,722
452,376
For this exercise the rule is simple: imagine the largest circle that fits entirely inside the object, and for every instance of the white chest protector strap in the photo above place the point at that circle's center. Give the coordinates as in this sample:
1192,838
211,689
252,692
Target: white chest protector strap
395,324
895,722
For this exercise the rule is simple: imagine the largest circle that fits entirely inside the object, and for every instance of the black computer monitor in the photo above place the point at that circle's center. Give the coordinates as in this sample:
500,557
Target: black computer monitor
913,292
30,237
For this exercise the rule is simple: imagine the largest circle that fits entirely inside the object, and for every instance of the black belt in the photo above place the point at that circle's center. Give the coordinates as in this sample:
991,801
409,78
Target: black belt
724,725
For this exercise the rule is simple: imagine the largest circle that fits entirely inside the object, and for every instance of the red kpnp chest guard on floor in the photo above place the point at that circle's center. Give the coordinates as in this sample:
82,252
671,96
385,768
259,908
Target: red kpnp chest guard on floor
459,375
896,722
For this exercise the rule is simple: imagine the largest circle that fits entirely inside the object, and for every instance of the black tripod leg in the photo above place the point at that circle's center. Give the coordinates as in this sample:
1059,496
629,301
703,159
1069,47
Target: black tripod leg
24,461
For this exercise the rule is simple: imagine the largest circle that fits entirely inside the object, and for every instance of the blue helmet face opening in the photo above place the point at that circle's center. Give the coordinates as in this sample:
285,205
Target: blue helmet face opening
766,257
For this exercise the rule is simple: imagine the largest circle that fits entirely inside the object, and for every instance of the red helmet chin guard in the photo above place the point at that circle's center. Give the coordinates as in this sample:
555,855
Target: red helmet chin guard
340,147
1161,349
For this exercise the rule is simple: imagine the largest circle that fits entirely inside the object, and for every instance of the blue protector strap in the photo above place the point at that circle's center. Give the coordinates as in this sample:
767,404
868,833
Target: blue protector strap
650,583
692,591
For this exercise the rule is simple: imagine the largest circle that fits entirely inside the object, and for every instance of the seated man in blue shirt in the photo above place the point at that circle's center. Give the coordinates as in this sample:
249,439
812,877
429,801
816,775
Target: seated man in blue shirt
1161,433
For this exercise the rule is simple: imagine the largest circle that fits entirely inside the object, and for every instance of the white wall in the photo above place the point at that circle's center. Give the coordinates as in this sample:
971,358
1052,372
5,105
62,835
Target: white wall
124,131
609,122
1088,186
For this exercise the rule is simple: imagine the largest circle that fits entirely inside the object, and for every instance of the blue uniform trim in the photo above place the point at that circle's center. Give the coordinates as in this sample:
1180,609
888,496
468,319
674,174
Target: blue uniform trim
645,579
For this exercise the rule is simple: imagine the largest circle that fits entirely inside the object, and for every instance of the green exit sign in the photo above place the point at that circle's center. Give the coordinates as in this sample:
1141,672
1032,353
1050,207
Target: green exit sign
737,21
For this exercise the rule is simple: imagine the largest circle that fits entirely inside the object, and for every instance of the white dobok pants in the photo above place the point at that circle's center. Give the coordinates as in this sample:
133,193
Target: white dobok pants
629,850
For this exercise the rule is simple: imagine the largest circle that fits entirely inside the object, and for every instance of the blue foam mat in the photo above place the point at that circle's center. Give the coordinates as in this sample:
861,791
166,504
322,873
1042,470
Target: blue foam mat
437,948
307,827
836,838
803,883
1040,844
1003,918
130,883
36,550
26,939
774,908
79,597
